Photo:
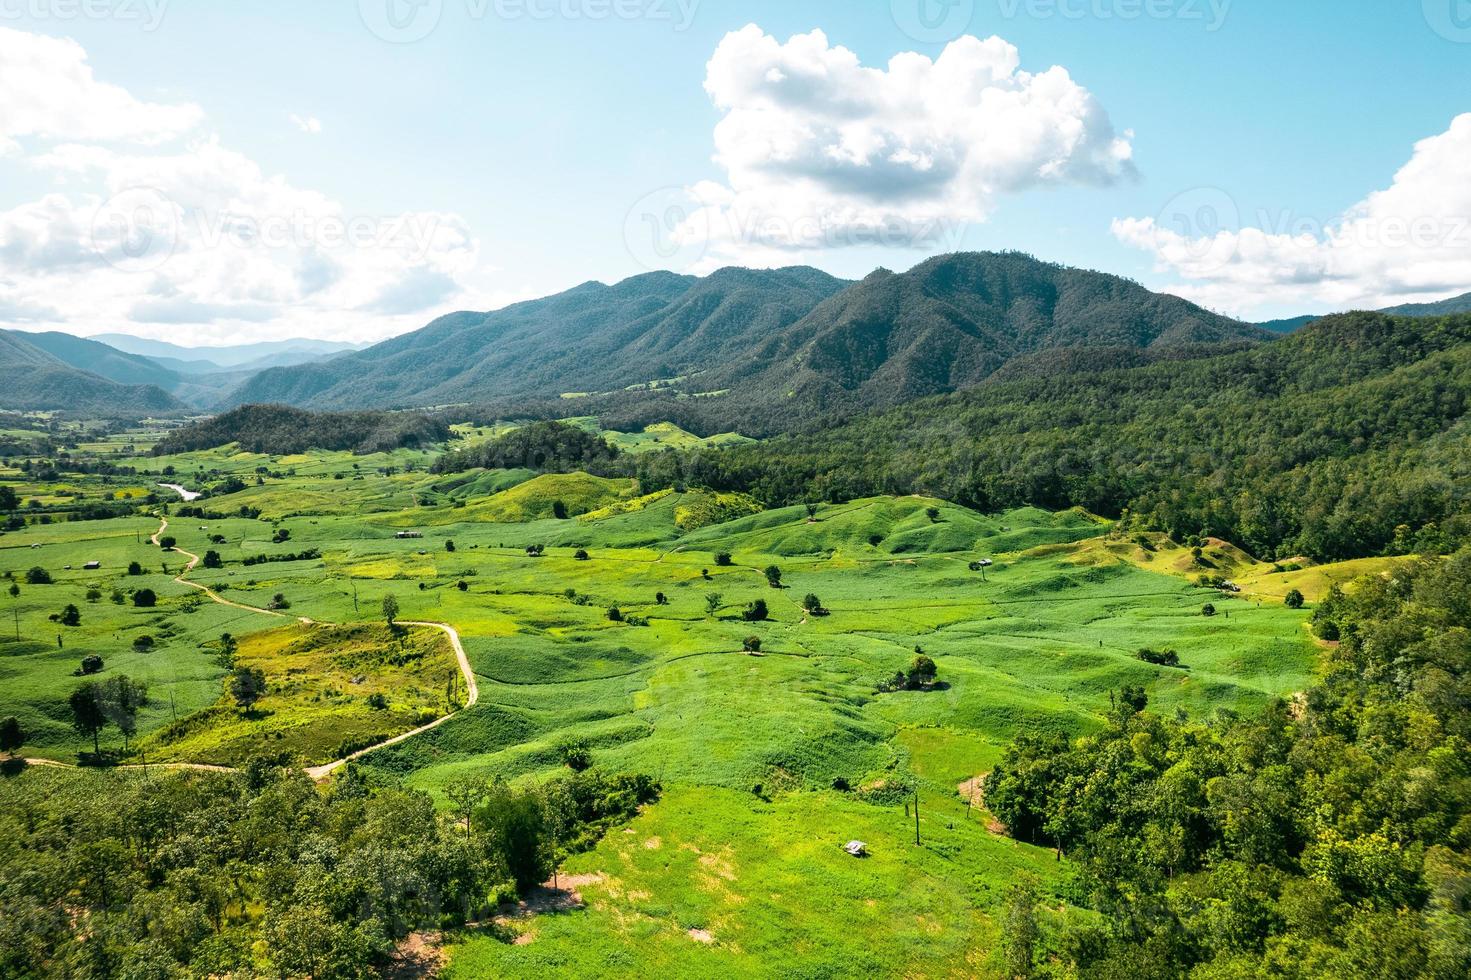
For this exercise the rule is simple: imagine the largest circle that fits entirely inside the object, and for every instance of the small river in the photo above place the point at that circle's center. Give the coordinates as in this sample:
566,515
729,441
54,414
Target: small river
188,495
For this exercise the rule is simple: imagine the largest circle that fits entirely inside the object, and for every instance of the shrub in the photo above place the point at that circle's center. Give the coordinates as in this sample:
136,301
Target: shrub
134,568
615,614
753,644
212,559
143,643
70,616
91,664
723,560
378,701
756,612
582,555
1160,658
145,599
38,576
1208,610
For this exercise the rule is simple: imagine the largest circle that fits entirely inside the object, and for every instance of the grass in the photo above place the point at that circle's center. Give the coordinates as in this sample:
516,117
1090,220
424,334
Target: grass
1037,641
322,685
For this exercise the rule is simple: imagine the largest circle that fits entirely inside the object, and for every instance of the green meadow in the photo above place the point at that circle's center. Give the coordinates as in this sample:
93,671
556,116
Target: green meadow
623,627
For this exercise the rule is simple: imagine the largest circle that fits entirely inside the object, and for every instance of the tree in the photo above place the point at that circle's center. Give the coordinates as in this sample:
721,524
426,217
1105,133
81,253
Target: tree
134,568
38,576
91,664
756,612
922,671
773,576
247,686
94,593
933,513
660,599
390,610
582,555
12,736
559,510
212,559
723,560
121,699
713,602
753,644
1294,599
145,599
167,542
14,590
615,614
1019,933
8,500
811,507
1208,610
279,602
449,546
577,755
87,714
813,605
70,616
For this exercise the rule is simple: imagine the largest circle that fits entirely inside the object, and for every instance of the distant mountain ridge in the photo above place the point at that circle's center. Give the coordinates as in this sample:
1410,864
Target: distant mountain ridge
34,378
759,343
1445,307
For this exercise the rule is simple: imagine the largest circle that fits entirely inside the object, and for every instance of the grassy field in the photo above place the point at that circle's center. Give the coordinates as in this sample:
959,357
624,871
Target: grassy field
628,633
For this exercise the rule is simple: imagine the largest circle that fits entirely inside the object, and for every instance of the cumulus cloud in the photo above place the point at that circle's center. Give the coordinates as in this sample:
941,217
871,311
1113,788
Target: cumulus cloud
310,125
1410,242
51,93
821,151
155,222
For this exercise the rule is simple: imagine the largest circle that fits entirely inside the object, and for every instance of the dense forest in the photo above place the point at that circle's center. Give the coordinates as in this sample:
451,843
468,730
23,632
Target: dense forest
1344,440
261,873
280,430
1328,837
547,447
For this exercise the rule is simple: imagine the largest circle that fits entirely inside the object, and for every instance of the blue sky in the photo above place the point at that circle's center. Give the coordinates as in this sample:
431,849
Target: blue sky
540,134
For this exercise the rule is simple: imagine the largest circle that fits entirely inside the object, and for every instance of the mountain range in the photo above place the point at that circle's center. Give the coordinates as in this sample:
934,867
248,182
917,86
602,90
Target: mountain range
758,344
767,350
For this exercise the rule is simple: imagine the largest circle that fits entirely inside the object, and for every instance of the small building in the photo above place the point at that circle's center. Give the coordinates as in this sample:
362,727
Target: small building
92,566
407,535
856,848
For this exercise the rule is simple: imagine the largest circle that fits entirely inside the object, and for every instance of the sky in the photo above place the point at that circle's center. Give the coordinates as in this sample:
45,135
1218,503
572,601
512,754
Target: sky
212,172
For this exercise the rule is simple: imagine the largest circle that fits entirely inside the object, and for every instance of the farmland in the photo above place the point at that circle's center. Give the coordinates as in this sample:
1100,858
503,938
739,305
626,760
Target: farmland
628,627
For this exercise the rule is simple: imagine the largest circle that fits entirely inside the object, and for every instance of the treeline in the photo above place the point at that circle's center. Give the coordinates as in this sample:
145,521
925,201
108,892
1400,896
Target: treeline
1345,440
547,447
280,430
1328,837
260,873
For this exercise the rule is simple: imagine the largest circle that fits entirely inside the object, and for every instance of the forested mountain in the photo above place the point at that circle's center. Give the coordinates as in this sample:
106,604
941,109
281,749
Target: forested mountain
237,357
33,379
1445,307
764,347
103,360
281,430
1348,438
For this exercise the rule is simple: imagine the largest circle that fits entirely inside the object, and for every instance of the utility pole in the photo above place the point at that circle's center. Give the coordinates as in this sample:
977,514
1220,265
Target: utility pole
916,817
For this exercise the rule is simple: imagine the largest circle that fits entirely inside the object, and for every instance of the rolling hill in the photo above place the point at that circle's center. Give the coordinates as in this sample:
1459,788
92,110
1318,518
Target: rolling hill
765,347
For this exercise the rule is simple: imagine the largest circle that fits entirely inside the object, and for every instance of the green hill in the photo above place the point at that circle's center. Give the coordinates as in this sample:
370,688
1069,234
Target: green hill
33,379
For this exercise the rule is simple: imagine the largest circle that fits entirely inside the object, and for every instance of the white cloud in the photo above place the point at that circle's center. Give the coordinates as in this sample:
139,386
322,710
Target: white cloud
50,93
1410,242
310,125
820,151
156,227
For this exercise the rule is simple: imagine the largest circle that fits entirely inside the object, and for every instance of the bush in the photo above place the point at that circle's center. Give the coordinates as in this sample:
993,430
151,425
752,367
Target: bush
378,701
38,576
753,644
723,560
134,568
1160,658
582,555
615,614
756,612
70,616
1208,610
91,664
143,643
167,542
212,559
145,599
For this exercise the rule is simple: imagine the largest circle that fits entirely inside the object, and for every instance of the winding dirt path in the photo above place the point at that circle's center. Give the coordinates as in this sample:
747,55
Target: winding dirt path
317,773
